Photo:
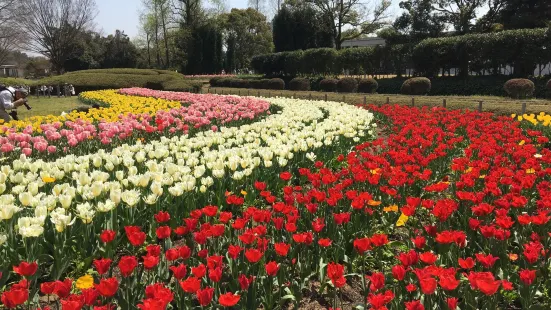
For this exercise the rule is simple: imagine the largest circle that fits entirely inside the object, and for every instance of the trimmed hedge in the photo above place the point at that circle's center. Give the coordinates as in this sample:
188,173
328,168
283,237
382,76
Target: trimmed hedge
519,88
100,79
15,82
347,85
416,86
275,84
367,86
521,49
329,85
299,84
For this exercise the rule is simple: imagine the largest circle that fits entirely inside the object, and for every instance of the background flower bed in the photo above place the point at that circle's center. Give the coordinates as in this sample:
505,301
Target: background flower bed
125,118
450,209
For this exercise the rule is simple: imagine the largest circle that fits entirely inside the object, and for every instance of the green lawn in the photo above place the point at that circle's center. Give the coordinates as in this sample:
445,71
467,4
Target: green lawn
47,106
498,105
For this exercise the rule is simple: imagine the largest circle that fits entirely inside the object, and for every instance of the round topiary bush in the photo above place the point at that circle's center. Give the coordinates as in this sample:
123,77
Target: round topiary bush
329,85
276,84
549,85
416,86
519,88
299,84
347,85
367,86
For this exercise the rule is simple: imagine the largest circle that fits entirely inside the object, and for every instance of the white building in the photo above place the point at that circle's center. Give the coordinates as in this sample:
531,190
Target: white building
364,42
10,71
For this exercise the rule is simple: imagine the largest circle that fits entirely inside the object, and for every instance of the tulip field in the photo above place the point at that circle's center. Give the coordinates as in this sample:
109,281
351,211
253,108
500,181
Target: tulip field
164,200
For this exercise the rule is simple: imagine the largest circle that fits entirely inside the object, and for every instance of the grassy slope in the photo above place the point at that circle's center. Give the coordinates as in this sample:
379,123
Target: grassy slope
47,106
498,105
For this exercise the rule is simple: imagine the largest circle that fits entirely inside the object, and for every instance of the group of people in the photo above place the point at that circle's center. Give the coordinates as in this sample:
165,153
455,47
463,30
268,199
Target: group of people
67,90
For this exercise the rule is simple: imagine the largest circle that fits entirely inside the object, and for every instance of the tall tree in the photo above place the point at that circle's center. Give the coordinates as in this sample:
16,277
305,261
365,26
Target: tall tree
517,14
257,5
353,18
11,35
419,21
249,33
53,26
300,26
459,13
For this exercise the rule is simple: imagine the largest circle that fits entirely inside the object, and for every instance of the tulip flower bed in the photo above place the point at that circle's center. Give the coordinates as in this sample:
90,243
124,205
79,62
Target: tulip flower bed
448,210
126,117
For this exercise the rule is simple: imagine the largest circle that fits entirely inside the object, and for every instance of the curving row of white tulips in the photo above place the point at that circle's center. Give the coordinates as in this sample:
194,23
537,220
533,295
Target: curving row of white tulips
152,175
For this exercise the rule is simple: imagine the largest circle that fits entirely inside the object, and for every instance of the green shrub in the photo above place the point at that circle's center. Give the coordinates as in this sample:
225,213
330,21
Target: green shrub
214,81
328,85
90,80
15,82
299,84
256,84
549,85
367,86
276,84
239,83
416,86
182,86
519,88
347,85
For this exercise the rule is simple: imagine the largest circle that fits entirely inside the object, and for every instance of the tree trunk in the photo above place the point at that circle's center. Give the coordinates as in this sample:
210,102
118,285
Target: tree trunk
163,21
157,33
148,39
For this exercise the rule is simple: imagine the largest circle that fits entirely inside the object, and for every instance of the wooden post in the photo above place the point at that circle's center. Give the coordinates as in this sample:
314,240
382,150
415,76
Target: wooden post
248,92
412,101
58,91
523,111
239,92
325,97
365,99
295,96
208,90
444,102
269,94
343,98
280,94
310,96
480,106
387,100
258,94
215,90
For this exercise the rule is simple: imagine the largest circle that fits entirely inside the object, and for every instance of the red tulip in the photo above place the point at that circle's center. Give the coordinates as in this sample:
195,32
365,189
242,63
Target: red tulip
362,245
467,263
107,236
135,235
199,271
282,248
172,254
272,269
245,282
253,255
399,272
162,217
153,250
527,276
215,275
107,287
204,296
15,297
377,281
127,264
190,285
234,251
179,271
228,299
452,303
163,232
102,265
414,305
150,261
26,269
285,176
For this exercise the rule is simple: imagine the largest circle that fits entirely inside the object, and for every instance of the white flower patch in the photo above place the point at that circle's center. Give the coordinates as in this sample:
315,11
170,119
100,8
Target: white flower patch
140,174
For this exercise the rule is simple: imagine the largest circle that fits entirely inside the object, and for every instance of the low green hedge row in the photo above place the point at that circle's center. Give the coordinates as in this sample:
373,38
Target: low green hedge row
91,80
442,86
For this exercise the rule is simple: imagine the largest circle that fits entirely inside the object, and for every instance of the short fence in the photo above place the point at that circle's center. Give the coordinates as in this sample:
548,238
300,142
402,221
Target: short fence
476,104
